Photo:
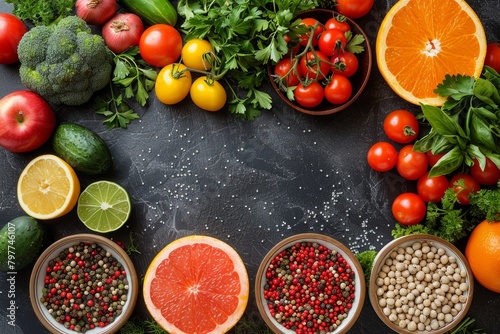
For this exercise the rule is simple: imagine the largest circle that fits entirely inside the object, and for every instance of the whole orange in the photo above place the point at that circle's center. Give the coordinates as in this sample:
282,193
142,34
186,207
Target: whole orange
483,253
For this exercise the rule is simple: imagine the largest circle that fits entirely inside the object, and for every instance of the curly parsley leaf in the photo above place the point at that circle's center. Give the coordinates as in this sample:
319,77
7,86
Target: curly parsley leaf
42,12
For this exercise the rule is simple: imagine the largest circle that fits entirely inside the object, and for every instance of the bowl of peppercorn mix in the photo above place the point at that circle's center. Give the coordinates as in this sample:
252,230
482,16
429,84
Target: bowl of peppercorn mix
310,283
83,283
421,283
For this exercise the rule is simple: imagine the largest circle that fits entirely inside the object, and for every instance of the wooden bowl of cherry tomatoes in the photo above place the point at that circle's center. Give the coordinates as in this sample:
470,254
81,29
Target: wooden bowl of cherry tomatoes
327,67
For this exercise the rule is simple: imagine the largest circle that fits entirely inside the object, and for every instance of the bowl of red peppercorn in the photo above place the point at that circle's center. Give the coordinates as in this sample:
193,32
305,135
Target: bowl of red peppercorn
329,73
421,283
83,283
310,283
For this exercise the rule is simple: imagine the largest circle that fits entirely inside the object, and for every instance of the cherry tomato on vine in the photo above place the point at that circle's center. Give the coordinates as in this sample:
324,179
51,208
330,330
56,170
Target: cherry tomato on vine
431,189
12,29
346,64
354,9
173,83
160,45
288,75
338,90
198,54
338,22
493,56
489,176
470,185
292,46
311,22
309,65
332,41
411,165
401,126
309,96
382,156
409,209
433,158
207,94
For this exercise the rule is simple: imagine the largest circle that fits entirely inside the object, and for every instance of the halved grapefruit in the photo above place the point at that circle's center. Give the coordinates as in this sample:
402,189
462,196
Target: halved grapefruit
196,285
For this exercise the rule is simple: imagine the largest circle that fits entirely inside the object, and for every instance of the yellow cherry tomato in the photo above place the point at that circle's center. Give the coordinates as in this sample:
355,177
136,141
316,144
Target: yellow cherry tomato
193,54
171,85
208,94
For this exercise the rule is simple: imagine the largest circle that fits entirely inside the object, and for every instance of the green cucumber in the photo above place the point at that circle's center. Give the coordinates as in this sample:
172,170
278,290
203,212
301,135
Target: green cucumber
82,149
152,11
21,242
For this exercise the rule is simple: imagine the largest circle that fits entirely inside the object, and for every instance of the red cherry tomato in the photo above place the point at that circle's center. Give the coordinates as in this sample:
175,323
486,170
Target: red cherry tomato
345,64
354,9
310,22
309,65
382,156
470,185
160,45
338,90
489,176
12,30
433,158
309,96
409,209
493,56
338,22
431,189
411,165
401,126
284,70
331,41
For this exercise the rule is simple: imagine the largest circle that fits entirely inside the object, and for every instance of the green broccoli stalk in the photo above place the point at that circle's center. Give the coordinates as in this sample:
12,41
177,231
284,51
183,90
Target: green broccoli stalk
65,63
42,12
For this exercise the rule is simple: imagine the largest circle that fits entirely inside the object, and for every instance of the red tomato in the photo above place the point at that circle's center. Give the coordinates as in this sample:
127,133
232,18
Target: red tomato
409,209
332,41
310,22
293,47
338,90
309,65
401,126
431,189
354,9
288,76
489,176
382,156
433,158
346,64
338,22
160,45
493,56
12,30
411,165
470,185
309,96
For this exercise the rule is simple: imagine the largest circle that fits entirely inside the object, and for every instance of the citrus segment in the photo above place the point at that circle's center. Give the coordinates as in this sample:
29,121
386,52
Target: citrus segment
104,206
483,254
196,284
419,42
48,187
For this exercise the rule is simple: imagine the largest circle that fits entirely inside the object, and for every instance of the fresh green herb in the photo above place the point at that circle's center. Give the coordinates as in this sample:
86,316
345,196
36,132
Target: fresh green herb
131,246
366,259
245,35
133,78
465,328
42,12
138,325
251,323
467,126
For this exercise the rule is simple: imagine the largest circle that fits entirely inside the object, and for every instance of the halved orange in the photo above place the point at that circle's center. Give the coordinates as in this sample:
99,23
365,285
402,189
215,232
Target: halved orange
48,187
419,42
196,285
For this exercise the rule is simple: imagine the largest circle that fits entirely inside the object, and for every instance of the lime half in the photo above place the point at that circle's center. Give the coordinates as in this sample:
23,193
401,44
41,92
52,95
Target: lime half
104,206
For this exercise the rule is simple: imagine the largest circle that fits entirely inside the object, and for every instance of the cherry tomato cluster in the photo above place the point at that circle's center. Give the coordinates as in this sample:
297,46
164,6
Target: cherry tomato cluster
402,127
319,66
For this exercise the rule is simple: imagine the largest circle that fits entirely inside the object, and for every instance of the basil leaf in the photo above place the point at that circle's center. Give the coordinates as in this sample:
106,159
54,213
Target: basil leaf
495,158
441,122
448,163
485,91
480,133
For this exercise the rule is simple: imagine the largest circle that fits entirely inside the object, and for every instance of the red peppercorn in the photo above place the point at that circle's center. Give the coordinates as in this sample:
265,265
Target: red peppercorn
90,302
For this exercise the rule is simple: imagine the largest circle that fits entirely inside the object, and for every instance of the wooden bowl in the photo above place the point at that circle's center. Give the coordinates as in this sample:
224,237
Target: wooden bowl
408,241
358,80
330,243
39,272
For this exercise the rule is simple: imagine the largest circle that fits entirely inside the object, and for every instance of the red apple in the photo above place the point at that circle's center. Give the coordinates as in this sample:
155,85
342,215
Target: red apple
26,121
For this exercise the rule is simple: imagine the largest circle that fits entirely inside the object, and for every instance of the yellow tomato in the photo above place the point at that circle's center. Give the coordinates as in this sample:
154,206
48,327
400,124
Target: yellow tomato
172,84
208,94
193,54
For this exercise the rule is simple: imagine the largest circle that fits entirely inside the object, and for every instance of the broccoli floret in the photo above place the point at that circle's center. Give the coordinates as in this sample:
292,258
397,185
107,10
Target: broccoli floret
65,63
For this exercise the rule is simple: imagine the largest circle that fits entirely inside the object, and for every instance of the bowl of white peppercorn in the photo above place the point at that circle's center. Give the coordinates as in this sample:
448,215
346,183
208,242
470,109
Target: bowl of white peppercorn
421,283
83,283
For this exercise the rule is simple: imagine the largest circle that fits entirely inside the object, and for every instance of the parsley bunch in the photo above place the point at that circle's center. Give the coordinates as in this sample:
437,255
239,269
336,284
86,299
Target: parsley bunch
246,35
467,126
42,12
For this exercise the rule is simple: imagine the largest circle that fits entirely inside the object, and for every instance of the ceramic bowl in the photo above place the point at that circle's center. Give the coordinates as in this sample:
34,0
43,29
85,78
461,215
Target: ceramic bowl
359,80
413,270
261,281
37,282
